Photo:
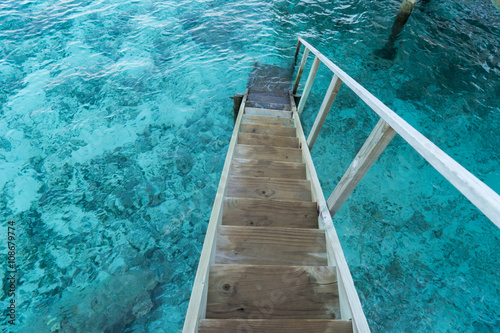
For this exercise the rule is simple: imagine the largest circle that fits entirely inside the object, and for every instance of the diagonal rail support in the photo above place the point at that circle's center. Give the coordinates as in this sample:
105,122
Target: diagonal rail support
330,95
376,143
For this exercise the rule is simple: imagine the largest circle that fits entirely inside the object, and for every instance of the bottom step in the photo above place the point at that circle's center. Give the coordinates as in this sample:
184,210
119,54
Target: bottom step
274,326
277,292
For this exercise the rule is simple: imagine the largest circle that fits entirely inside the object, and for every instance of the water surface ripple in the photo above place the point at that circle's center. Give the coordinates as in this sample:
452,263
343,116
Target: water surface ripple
115,122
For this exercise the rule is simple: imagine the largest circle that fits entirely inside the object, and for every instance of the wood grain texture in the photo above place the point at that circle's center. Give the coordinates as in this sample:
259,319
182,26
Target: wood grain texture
268,130
267,105
268,140
295,292
265,213
250,119
198,300
349,300
376,143
268,113
269,188
270,246
265,168
301,69
275,326
268,153
267,97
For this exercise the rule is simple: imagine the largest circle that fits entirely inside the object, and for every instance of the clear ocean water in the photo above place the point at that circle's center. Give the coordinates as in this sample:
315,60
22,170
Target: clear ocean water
115,121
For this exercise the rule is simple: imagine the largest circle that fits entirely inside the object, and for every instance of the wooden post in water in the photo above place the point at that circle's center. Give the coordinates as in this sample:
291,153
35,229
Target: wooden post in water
403,16
389,50
379,138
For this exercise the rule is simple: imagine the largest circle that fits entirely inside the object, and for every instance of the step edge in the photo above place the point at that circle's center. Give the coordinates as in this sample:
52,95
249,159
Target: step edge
247,160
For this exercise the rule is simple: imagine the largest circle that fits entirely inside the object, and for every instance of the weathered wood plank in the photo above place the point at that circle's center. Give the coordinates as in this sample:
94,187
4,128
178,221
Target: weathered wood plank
330,95
268,140
265,213
275,326
301,69
269,188
249,119
268,129
265,168
379,138
270,246
268,153
264,97
298,292
308,86
268,113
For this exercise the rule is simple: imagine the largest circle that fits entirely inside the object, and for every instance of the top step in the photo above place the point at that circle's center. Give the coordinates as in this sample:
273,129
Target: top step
268,100
268,112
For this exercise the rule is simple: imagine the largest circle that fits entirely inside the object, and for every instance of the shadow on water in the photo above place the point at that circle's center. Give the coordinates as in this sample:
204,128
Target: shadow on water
390,50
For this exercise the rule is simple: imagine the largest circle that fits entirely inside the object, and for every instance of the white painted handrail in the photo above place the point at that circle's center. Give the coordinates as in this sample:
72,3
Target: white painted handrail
198,301
483,197
350,305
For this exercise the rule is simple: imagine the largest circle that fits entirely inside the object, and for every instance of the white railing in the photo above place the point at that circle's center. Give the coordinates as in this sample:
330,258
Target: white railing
350,305
483,197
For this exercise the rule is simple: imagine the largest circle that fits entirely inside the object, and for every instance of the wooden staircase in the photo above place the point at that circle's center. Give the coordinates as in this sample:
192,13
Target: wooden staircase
270,270
272,260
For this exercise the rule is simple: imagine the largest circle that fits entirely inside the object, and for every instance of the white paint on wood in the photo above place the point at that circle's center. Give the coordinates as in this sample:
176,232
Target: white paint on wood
345,309
330,95
483,197
334,250
198,301
301,69
309,83
378,140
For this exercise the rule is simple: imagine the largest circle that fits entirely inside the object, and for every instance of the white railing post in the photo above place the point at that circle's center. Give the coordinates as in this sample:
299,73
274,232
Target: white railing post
378,140
309,83
330,95
301,69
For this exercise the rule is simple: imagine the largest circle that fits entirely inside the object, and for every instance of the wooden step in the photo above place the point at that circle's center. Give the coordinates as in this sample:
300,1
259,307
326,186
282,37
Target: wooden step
268,129
274,325
268,153
249,119
268,112
298,292
265,213
269,188
267,105
265,168
268,140
270,246
268,97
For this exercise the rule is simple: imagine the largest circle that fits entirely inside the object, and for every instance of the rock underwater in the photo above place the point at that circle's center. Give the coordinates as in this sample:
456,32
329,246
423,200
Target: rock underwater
110,306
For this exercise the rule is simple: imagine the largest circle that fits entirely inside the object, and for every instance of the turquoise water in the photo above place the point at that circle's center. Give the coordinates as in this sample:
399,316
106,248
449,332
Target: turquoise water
115,121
